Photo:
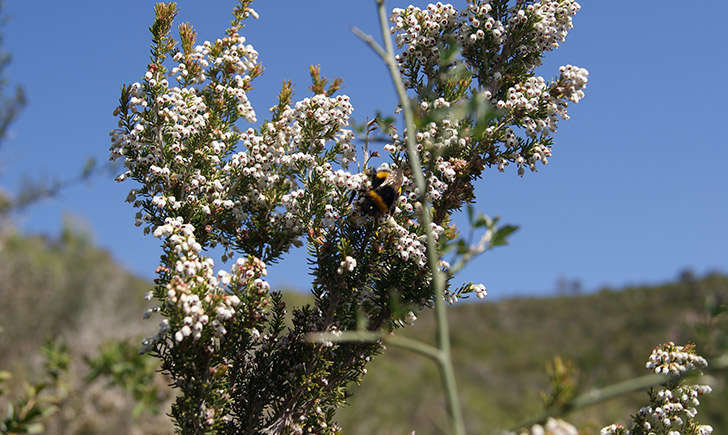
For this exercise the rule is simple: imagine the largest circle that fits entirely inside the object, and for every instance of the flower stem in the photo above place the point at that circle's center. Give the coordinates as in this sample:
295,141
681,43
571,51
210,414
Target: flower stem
438,282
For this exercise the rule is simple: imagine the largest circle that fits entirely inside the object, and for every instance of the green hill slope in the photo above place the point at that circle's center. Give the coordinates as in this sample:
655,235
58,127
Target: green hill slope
500,350
66,287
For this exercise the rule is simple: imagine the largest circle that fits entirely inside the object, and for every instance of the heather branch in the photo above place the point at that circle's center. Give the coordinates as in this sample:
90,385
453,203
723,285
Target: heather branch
180,143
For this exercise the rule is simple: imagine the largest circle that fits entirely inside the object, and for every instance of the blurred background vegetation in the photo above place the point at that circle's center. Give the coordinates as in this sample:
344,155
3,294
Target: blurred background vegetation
65,289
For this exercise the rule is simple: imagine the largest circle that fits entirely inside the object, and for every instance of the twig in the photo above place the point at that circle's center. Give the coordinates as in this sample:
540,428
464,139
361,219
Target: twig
370,42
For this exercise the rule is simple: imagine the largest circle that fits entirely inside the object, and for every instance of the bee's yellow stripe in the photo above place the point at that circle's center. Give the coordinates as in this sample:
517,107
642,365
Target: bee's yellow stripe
382,174
381,205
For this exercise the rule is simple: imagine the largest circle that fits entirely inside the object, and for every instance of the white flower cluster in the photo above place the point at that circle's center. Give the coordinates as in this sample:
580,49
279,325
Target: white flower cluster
613,429
184,109
158,151
247,180
552,427
528,99
553,21
534,103
480,291
185,113
534,94
670,358
671,410
234,56
434,137
526,96
283,145
410,318
530,156
432,140
573,79
453,298
421,31
347,264
285,152
481,25
409,245
196,294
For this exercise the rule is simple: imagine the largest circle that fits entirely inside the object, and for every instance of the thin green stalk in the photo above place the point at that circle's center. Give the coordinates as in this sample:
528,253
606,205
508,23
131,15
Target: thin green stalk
415,346
443,334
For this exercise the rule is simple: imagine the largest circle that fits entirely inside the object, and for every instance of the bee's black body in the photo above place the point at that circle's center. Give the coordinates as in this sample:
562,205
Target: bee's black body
381,197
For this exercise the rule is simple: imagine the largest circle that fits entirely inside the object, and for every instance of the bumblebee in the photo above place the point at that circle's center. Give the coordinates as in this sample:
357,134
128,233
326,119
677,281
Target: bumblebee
386,186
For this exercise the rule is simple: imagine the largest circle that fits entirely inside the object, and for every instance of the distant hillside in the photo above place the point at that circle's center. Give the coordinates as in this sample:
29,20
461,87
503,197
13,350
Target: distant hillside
501,349
65,286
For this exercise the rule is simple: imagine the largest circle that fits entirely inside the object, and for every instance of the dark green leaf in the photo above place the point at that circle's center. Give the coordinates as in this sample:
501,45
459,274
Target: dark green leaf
500,236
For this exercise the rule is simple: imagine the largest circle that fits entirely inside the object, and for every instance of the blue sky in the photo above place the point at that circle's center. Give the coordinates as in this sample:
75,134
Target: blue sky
637,188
